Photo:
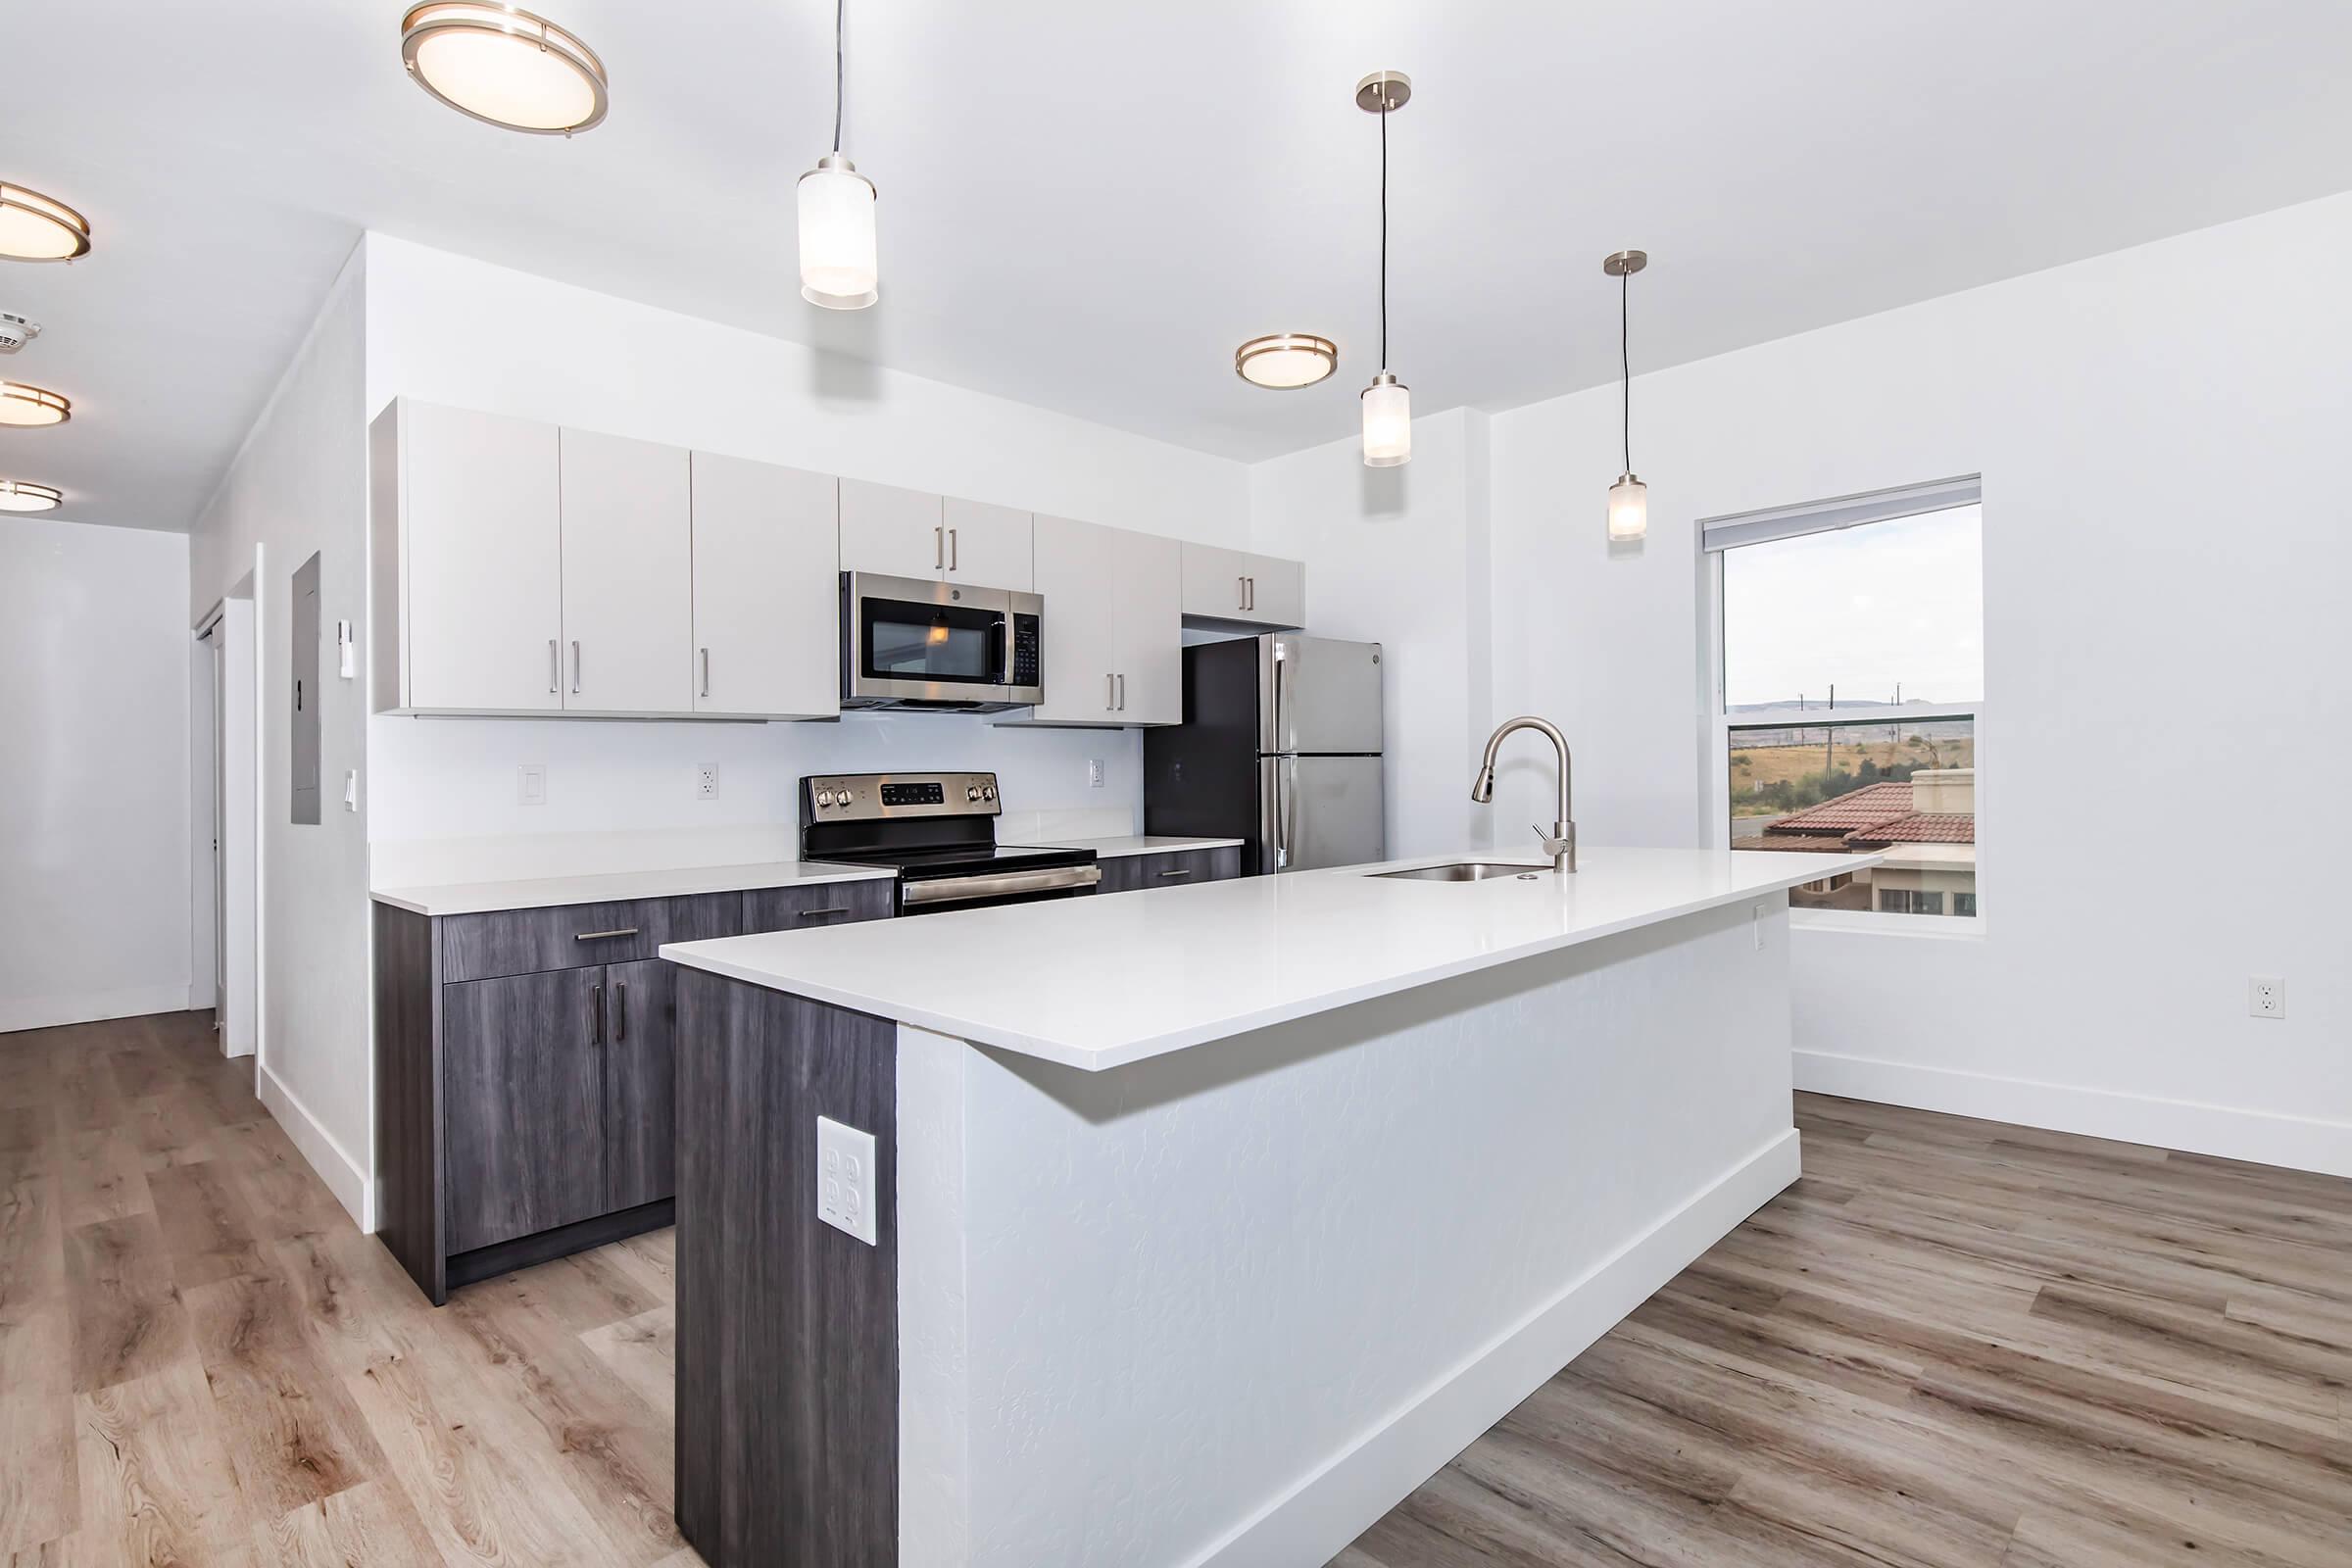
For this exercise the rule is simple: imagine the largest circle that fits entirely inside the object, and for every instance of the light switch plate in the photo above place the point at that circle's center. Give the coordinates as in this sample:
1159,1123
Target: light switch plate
845,1178
530,786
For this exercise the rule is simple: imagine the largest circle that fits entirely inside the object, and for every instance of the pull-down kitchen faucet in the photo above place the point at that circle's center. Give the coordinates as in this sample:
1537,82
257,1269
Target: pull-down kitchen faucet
1560,842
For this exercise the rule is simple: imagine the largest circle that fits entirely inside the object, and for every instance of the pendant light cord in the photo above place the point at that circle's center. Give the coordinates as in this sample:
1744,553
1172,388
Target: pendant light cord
1384,240
839,8
1625,353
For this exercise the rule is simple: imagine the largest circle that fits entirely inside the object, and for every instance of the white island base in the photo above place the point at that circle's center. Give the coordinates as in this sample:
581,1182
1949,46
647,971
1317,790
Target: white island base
1230,1302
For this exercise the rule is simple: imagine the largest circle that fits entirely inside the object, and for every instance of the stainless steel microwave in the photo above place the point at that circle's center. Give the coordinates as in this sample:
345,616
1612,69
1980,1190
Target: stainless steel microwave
916,642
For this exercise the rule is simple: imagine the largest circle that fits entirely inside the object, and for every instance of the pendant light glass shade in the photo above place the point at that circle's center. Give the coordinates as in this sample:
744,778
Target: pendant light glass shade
23,405
21,495
504,67
33,228
1628,510
1387,421
841,268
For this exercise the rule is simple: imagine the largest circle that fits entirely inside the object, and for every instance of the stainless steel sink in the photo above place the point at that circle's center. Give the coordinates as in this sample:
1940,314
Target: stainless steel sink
1464,871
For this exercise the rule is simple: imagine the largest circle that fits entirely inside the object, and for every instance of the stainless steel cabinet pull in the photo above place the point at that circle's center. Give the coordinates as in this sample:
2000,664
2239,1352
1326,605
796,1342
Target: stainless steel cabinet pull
1122,694
1241,592
555,667
620,1010
951,554
1111,688
706,672
575,669
1253,593
1185,872
939,548
595,1033
820,914
599,936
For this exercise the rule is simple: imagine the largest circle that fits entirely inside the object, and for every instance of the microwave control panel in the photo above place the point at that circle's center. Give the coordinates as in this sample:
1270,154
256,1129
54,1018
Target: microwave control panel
1024,672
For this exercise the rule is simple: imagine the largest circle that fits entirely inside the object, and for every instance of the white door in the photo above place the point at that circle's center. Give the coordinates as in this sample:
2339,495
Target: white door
1276,592
628,576
484,530
1077,575
766,591
1236,585
1149,614
988,546
898,533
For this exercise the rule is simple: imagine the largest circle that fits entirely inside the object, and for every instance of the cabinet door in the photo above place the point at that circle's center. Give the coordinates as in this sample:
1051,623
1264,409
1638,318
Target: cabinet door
766,589
1215,582
1277,591
898,533
628,589
482,527
524,1081
1077,573
1150,619
640,1057
988,546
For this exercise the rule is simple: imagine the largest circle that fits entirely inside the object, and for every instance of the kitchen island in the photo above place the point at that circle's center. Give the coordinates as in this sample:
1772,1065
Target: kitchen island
1208,1221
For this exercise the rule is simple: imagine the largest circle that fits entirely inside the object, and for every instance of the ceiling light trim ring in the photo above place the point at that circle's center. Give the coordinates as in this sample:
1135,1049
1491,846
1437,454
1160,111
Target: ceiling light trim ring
45,496
434,17
1311,343
36,398
51,211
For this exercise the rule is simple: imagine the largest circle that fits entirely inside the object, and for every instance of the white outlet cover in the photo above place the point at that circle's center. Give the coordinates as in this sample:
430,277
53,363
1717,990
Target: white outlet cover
530,784
2265,996
844,1179
706,781
1094,772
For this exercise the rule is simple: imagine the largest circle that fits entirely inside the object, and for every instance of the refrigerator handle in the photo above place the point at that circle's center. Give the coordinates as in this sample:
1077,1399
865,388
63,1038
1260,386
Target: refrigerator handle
1282,681
1288,813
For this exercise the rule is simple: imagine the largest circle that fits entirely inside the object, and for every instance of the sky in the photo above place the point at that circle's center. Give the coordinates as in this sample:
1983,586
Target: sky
1867,608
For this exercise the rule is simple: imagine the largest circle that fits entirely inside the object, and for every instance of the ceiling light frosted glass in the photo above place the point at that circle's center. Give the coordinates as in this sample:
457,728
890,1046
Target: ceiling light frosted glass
1387,421
34,227
840,266
21,495
23,405
504,67
1284,360
1628,510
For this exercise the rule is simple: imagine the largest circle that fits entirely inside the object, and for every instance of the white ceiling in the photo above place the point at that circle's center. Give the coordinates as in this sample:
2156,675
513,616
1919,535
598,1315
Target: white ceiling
1086,204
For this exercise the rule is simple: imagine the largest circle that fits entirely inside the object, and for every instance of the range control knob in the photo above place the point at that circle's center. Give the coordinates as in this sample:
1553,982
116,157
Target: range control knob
988,791
824,797
972,792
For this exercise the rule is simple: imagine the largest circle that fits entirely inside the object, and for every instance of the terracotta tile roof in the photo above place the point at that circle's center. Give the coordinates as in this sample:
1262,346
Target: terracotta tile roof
1866,807
1925,827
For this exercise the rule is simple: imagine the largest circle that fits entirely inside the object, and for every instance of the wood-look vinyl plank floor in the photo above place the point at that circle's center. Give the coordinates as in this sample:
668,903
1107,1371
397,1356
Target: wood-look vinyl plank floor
1955,1343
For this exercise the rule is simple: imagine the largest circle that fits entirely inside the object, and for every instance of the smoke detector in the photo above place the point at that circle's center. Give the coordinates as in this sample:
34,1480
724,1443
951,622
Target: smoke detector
16,332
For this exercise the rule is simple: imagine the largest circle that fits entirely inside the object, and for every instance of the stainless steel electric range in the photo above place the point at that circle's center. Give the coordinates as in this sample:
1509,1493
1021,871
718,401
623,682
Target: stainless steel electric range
938,831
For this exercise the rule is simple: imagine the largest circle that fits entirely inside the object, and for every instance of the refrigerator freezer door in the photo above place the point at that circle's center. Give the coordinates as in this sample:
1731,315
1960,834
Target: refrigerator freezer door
1317,812
1317,695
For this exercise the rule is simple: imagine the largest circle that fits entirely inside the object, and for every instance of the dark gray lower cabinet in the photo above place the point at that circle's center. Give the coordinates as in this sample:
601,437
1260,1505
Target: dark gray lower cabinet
1126,874
527,1061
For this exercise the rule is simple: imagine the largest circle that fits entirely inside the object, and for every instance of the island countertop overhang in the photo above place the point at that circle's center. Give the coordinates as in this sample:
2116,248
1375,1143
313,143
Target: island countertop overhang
1099,983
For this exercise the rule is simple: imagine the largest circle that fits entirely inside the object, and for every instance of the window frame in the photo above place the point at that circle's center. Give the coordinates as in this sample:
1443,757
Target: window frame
1717,723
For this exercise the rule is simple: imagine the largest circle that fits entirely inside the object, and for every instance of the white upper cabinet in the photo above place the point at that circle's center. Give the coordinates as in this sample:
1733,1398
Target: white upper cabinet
629,575
1234,585
468,543
988,546
1114,629
767,605
898,533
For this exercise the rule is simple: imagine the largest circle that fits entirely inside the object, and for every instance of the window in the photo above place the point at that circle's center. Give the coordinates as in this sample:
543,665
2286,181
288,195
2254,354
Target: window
1851,680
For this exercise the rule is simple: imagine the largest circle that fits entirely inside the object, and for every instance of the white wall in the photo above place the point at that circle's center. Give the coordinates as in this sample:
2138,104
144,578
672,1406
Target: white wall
2162,436
94,798
1398,556
298,485
445,329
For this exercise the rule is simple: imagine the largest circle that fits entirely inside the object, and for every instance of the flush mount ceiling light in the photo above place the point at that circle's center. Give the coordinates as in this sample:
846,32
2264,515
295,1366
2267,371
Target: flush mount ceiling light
31,405
1629,497
504,67
1388,402
21,495
840,266
34,227
1285,361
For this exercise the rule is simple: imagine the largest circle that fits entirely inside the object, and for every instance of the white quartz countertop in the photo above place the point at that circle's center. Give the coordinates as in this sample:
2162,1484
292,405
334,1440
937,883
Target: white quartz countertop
536,893
1134,844
1098,983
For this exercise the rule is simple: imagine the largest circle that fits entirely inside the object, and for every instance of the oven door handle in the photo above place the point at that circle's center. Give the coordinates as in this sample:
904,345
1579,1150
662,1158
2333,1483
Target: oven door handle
966,889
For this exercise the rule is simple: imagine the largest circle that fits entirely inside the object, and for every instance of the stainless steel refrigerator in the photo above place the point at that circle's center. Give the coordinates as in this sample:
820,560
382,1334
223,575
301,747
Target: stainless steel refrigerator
1280,748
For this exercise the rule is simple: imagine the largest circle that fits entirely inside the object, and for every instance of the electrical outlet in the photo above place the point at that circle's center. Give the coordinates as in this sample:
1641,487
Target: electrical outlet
2265,996
1758,923
1094,772
530,786
706,781
845,1178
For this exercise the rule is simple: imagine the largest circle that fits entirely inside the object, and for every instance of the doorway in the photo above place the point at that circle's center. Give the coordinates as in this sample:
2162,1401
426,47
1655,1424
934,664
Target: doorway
226,820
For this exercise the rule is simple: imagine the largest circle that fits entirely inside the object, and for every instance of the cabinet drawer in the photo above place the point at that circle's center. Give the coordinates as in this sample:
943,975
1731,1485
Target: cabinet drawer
573,936
1129,873
824,904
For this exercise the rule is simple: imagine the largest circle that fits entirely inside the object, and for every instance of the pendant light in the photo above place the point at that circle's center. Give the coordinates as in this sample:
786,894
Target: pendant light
1629,497
1388,402
841,268
23,495
504,67
34,227
1286,360
23,405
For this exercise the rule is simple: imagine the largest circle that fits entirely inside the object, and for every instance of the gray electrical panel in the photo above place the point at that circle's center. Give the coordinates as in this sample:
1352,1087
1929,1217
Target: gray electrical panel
305,664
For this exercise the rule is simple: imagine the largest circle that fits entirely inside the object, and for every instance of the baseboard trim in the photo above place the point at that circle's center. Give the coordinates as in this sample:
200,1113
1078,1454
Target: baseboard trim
2263,1138
344,1176
1321,1515
89,1007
